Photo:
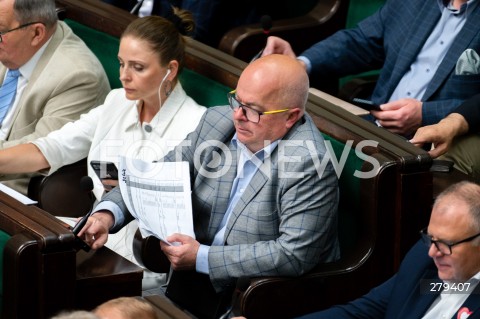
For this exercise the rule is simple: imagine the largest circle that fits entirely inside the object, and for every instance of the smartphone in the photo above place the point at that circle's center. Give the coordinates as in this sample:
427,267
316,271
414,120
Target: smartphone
105,170
366,104
443,166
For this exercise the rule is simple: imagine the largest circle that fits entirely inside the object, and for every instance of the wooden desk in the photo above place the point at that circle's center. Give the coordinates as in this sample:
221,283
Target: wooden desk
166,309
42,272
103,275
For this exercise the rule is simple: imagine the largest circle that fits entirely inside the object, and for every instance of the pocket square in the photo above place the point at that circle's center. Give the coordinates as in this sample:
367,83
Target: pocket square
468,63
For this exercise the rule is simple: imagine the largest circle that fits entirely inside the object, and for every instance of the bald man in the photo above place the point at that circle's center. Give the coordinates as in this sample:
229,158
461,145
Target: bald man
267,207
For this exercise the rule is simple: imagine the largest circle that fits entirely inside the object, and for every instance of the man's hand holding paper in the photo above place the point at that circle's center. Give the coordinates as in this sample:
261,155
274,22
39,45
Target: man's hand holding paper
158,195
182,252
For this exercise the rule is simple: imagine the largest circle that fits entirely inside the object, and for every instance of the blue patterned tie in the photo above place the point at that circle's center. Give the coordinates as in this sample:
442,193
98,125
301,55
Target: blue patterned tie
7,92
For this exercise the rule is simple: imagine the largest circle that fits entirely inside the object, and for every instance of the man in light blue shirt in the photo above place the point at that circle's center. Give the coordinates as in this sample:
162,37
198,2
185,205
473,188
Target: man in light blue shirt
418,45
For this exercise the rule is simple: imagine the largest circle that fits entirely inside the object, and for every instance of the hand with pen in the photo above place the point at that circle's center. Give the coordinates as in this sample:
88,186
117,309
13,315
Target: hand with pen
92,231
96,228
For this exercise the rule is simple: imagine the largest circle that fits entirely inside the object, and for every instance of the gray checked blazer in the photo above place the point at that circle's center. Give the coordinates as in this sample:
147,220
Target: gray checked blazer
286,220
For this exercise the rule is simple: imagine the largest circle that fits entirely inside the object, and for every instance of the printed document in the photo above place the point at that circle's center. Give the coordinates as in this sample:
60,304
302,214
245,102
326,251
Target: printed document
158,195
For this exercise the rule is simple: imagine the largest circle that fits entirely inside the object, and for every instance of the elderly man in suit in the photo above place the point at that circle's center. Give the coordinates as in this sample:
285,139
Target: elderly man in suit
439,276
427,50
273,209
57,78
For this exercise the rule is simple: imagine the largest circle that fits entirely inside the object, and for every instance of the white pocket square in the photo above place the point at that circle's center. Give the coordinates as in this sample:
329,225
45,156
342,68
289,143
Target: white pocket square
468,63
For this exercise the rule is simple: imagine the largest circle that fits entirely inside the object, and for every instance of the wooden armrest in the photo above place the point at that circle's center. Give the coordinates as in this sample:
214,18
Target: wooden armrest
341,103
324,19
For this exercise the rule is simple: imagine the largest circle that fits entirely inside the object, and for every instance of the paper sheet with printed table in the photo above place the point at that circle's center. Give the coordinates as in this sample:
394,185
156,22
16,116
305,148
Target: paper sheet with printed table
158,195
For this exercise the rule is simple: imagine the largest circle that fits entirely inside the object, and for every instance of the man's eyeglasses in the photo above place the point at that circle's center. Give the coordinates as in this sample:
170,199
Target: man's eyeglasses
2,33
442,246
251,114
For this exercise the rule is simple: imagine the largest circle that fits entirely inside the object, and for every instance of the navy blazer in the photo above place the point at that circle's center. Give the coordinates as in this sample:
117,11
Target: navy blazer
405,295
390,40
470,110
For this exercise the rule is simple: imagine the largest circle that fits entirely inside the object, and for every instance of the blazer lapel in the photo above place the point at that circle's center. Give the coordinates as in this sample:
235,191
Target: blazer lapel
419,300
255,185
43,61
460,44
223,186
425,22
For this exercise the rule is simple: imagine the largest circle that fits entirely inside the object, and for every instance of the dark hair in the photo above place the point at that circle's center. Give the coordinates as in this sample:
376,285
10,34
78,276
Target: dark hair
44,11
163,35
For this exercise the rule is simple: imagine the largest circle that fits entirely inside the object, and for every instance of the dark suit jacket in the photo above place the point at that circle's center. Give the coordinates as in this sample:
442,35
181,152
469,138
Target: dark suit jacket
405,295
390,39
471,112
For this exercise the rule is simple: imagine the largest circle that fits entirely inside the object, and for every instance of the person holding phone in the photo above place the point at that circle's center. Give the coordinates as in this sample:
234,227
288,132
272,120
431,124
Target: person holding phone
426,51
144,119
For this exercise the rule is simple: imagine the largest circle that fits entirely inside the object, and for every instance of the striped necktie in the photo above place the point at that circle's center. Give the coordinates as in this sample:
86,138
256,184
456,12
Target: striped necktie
7,92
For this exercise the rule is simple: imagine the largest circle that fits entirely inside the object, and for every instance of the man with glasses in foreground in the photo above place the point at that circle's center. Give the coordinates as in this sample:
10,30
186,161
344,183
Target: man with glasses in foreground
262,203
439,276
48,76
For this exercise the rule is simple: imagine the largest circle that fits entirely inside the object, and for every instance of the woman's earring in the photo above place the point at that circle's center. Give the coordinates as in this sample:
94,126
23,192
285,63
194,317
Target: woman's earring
168,87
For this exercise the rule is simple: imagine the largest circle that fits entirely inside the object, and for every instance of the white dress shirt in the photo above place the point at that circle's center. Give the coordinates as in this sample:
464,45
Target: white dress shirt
449,302
146,8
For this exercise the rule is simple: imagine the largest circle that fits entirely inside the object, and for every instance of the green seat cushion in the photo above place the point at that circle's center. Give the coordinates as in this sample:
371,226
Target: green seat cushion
357,11
202,89
104,46
349,186
360,9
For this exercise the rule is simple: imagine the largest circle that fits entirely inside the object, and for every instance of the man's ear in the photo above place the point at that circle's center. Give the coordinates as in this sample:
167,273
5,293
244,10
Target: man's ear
293,116
39,32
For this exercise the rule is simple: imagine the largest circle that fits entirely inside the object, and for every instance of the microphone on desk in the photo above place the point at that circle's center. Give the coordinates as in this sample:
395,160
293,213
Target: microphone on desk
266,23
242,285
86,184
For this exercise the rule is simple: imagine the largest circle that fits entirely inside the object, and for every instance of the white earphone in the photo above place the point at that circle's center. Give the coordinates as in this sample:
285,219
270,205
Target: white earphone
168,72
161,83
164,78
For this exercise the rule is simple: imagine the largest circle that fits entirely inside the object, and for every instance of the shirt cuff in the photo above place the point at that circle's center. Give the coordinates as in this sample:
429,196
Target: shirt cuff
202,259
115,210
307,62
